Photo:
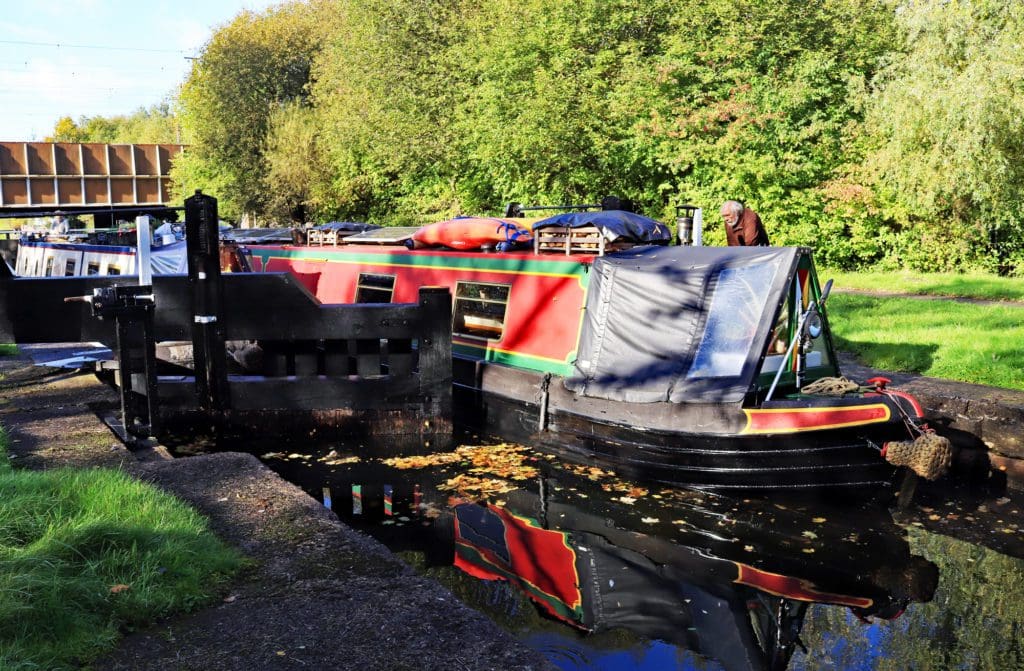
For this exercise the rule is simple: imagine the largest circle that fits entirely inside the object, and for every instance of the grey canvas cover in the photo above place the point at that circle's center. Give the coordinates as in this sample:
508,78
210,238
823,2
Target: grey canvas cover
679,324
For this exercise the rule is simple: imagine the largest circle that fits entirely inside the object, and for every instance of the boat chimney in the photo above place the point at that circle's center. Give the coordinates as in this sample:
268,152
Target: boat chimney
684,224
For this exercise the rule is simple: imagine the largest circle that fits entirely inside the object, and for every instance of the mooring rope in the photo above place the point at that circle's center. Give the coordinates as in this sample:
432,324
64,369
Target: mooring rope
830,386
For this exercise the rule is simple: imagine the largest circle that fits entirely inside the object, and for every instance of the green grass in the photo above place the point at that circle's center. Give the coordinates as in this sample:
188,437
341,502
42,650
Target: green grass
946,339
69,537
987,287
8,349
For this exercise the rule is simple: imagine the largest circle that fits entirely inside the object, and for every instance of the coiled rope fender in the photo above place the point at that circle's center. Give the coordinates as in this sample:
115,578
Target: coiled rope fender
929,455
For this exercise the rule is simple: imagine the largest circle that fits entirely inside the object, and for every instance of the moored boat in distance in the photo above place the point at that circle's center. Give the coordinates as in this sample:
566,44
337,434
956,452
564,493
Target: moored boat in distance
98,253
702,366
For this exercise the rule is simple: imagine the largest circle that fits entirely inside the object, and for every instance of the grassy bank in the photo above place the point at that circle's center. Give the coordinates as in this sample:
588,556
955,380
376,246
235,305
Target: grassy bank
946,339
87,554
985,287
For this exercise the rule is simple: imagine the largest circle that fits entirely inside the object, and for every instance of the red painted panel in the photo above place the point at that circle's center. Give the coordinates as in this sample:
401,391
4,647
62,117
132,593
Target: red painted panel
805,419
542,319
795,588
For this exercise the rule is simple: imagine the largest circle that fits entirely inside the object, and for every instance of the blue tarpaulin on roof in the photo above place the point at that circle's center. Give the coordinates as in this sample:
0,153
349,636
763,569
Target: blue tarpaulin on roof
613,224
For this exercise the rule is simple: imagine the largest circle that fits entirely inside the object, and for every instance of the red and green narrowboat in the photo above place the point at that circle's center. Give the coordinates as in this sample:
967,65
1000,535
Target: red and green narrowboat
683,364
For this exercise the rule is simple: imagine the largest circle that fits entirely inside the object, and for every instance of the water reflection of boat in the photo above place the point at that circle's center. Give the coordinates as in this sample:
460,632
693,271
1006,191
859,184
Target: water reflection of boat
736,588
684,364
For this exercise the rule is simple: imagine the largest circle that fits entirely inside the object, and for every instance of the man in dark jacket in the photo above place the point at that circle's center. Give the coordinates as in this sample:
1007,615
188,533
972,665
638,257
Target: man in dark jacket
742,225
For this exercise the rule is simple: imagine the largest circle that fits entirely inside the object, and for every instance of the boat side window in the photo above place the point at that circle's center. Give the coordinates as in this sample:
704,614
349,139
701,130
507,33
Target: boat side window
93,268
49,267
113,269
734,314
373,288
480,309
70,268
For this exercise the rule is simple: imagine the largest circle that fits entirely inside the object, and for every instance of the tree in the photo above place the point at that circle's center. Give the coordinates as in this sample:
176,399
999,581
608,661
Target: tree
156,124
385,91
250,67
752,100
946,157
294,166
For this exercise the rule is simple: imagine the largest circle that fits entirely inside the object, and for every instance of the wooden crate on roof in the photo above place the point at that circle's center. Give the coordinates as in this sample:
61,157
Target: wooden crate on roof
324,237
585,239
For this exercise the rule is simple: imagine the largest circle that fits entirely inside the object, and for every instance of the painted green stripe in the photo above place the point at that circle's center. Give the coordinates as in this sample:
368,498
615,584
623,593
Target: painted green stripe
517,360
484,262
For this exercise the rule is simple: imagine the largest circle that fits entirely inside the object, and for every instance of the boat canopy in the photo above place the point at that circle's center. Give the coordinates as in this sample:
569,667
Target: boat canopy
613,224
680,324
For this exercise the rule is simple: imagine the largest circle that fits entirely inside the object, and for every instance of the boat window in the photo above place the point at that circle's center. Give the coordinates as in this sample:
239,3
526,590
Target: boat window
93,268
49,267
113,269
734,315
69,268
480,309
373,288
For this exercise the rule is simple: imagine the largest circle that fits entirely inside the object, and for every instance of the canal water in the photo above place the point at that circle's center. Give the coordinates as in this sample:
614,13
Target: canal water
598,572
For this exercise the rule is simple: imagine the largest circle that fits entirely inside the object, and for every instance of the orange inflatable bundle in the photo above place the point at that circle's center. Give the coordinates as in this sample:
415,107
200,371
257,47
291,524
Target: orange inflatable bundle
468,233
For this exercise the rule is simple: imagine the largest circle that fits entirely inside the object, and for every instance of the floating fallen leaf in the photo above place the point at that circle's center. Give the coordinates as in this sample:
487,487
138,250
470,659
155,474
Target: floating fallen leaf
649,520
332,458
933,518
230,599
818,520
810,534
982,509
272,455
1002,501
117,589
748,548
471,486
628,500
280,653
809,550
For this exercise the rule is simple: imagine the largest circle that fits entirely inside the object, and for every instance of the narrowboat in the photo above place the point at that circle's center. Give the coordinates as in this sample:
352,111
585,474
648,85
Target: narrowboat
689,365
98,253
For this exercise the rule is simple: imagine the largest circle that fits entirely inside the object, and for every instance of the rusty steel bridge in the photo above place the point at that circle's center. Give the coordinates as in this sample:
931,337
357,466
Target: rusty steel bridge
106,181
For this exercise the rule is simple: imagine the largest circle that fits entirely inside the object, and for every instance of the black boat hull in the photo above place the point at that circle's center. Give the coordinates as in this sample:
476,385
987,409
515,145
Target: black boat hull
846,457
